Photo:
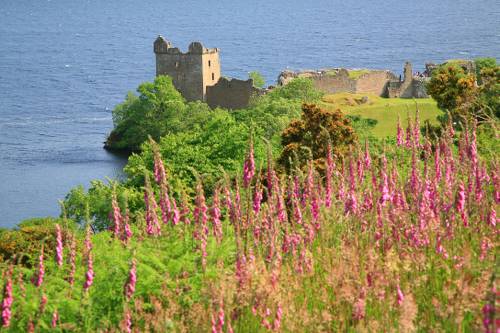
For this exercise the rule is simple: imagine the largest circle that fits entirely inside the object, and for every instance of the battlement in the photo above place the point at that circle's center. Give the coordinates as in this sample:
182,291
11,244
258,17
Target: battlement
192,71
163,46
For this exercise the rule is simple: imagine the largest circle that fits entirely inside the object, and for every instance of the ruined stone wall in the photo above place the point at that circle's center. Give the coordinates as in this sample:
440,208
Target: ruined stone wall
337,80
231,94
374,82
331,82
211,70
419,88
192,71
185,71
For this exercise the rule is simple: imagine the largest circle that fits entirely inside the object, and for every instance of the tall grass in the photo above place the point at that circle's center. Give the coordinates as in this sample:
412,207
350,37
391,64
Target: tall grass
400,241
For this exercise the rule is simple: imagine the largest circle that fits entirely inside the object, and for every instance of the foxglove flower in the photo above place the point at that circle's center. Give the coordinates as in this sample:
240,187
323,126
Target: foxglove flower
215,214
117,216
176,215
8,298
55,319
257,198
400,296
59,246
368,160
89,275
278,318
329,172
38,280
159,169
127,323
399,135
129,288
492,218
249,167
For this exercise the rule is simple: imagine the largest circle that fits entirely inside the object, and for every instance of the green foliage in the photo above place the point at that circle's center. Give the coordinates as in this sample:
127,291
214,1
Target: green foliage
22,242
484,63
258,79
488,100
451,87
94,205
459,94
298,89
157,110
308,138
220,143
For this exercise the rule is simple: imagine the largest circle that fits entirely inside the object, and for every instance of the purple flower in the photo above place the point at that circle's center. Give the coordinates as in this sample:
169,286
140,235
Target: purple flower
7,301
249,167
41,271
89,275
59,246
129,287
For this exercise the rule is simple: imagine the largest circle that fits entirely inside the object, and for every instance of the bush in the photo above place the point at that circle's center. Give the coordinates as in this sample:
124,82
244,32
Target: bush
157,110
308,138
21,243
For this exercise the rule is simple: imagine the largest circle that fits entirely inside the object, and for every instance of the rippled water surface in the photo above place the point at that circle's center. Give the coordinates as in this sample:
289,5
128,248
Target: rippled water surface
64,65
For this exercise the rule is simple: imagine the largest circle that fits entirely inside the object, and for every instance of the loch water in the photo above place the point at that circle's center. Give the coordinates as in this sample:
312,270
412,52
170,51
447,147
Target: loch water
64,65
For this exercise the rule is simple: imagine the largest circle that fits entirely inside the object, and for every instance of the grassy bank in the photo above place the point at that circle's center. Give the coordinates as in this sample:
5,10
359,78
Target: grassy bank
384,110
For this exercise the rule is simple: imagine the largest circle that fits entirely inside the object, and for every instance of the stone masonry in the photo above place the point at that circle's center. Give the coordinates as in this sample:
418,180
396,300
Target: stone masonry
197,75
191,72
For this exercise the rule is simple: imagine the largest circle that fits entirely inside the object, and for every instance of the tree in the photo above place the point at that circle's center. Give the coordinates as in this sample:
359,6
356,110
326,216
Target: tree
484,63
454,90
298,89
464,98
220,142
157,110
258,79
308,138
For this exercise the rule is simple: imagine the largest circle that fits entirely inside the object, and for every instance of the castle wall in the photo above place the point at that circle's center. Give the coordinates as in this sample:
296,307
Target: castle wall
330,83
231,94
374,82
192,71
185,71
211,70
419,89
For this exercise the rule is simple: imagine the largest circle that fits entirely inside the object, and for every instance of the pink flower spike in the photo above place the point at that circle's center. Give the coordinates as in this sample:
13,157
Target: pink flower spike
159,169
7,300
129,288
55,318
127,323
400,297
368,160
492,219
41,271
249,167
89,275
117,216
399,136
59,246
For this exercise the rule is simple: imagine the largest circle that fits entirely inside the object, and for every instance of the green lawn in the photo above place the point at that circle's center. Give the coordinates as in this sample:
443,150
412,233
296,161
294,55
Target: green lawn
384,110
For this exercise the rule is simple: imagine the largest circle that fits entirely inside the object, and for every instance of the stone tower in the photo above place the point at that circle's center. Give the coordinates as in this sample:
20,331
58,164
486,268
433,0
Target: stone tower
191,72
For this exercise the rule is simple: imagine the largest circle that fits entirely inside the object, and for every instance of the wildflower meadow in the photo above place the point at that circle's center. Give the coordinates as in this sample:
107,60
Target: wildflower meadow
395,238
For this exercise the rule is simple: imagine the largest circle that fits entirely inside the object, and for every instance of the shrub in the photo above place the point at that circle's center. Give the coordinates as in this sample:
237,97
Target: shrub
308,138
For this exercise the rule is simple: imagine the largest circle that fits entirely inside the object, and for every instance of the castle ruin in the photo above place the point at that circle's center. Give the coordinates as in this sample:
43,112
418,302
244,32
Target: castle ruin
191,72
197,75
382,83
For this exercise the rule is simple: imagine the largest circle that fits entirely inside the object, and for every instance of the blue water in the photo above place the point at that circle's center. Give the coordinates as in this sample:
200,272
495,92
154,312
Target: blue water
64,65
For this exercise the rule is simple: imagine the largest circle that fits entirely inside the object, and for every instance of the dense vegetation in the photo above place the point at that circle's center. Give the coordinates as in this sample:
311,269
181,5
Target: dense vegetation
274,218
403,245
467,96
